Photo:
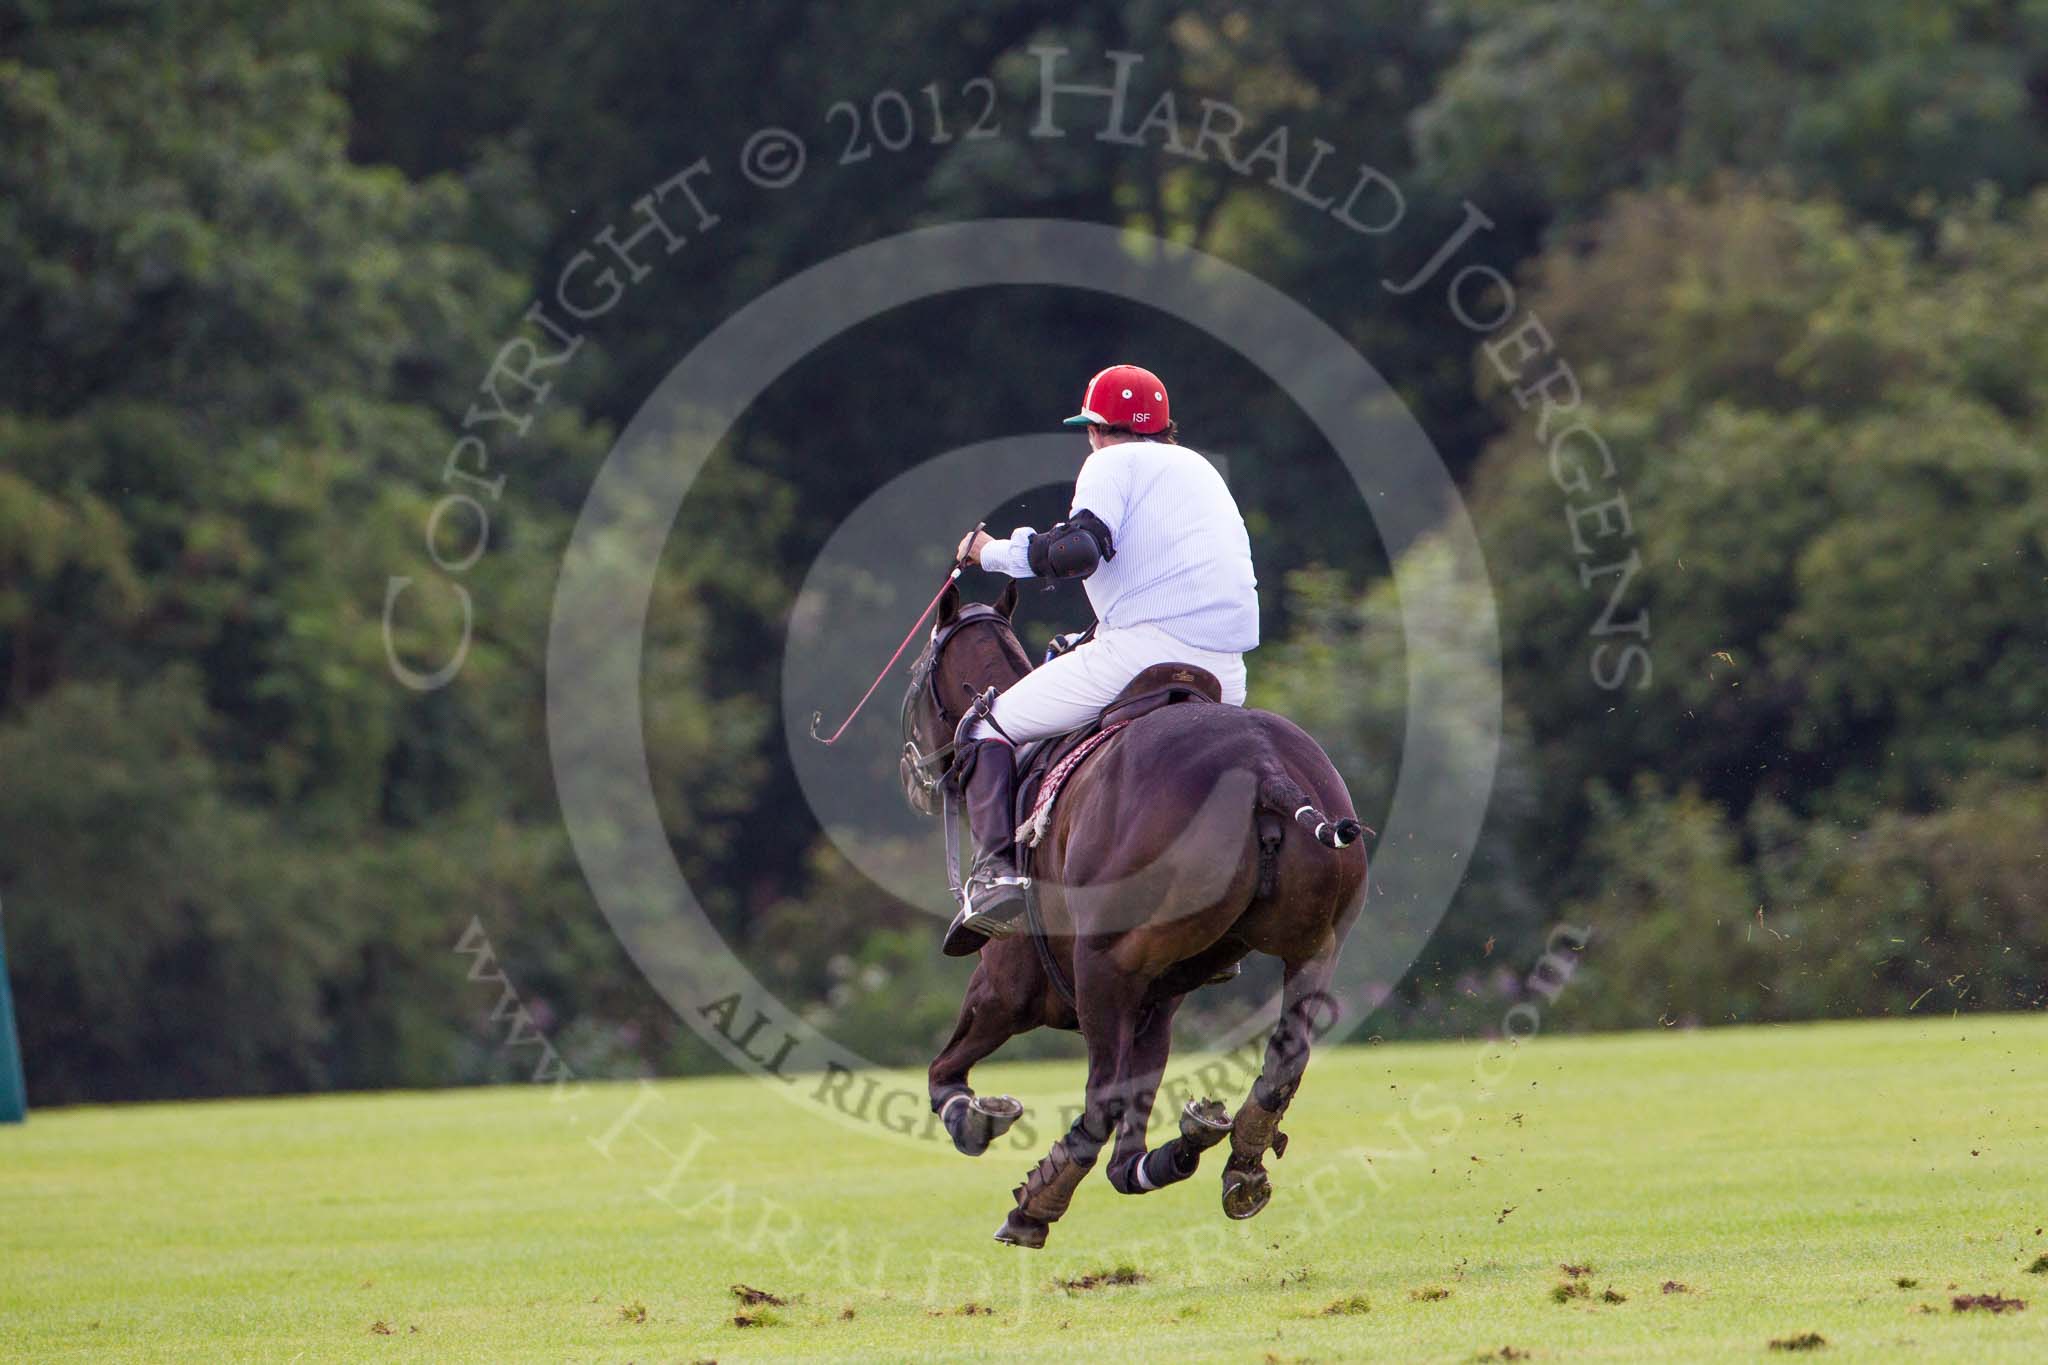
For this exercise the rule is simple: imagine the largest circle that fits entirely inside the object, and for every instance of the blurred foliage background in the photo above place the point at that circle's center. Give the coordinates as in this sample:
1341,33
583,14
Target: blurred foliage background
255,258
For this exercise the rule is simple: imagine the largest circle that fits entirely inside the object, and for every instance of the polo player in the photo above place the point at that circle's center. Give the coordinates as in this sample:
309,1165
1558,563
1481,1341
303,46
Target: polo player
1168,569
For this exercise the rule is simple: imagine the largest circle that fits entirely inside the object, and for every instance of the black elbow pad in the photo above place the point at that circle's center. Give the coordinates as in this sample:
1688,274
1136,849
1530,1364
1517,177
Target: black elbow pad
1072,549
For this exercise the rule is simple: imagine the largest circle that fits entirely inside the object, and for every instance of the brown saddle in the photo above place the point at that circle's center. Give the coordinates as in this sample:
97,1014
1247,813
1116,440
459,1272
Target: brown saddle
1158,686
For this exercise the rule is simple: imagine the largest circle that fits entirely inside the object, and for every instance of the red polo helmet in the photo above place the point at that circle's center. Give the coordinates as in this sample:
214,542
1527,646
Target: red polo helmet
1124,396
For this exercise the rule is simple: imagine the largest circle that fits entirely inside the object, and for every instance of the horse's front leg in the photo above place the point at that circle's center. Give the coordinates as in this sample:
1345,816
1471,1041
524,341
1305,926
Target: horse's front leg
1256,1128
1108,1004
1203,1124
986,1023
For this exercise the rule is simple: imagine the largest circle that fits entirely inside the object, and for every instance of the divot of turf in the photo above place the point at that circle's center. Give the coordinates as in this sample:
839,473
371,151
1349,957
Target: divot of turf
1989,1303
1805,1341
1612,1295
1350,1307
1677,1287
1575,1272
1122,1274
1429,1293
1906,1282
751,1297
2040,1265
382,1328
757,1317
635,1311
1567,1290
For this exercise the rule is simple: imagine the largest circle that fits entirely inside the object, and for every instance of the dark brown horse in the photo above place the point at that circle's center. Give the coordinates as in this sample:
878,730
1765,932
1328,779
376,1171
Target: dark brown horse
1196,836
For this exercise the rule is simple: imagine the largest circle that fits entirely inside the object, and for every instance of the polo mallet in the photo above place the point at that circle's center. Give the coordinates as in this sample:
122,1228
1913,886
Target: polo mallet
959,566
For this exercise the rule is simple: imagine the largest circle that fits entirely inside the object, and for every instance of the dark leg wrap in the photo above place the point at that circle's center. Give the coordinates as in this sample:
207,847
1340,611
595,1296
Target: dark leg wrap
1046,1192
1255,1130
1164,1165
1082,1143
1274,1096
1050,1187
1203,1124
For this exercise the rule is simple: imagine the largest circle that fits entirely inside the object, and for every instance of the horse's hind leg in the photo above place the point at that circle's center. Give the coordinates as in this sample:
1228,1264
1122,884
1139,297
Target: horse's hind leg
1203,1124
1108,1005
985,1024
1305,1004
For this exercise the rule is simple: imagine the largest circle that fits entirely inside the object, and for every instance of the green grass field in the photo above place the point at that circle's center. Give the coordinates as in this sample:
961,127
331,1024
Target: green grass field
1792,1179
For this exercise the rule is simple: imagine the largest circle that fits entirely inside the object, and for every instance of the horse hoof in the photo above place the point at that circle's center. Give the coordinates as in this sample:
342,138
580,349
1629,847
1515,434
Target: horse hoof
1000,1110
1020,1229
975,1122
1204,1123
1245,1193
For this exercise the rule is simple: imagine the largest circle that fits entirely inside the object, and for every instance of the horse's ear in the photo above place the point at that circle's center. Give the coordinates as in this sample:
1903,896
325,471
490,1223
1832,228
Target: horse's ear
949,603
1006,605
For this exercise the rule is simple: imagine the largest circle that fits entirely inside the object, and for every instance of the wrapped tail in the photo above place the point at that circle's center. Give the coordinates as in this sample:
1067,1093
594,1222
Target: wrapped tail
1282,794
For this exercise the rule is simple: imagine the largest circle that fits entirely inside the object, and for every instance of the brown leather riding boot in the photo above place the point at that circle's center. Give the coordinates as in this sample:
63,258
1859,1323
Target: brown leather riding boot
994,891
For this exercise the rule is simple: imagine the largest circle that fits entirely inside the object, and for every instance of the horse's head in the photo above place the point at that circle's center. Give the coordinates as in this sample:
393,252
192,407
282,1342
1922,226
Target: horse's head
972,648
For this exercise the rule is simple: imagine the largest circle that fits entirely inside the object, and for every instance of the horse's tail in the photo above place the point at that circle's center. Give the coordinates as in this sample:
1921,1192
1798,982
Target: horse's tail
1284,796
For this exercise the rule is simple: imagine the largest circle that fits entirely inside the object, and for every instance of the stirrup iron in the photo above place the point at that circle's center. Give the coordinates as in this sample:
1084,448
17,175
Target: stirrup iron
992,926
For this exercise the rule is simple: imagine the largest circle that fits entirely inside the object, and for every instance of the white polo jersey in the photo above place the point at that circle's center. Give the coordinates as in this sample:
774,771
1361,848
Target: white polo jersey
1183,557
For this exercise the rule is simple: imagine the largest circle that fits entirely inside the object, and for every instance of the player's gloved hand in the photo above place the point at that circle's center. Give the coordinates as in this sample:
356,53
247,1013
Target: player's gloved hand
1063,644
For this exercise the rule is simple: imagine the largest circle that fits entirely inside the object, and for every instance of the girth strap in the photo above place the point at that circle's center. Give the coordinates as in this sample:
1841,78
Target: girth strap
1035,924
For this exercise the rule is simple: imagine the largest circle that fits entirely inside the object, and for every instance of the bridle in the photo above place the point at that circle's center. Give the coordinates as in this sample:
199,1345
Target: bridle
925,774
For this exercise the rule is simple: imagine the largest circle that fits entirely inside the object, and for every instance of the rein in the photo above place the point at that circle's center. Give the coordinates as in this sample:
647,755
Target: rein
818,717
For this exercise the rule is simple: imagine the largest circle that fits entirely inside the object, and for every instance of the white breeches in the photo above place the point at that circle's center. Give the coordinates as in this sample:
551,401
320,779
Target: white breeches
1068,692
